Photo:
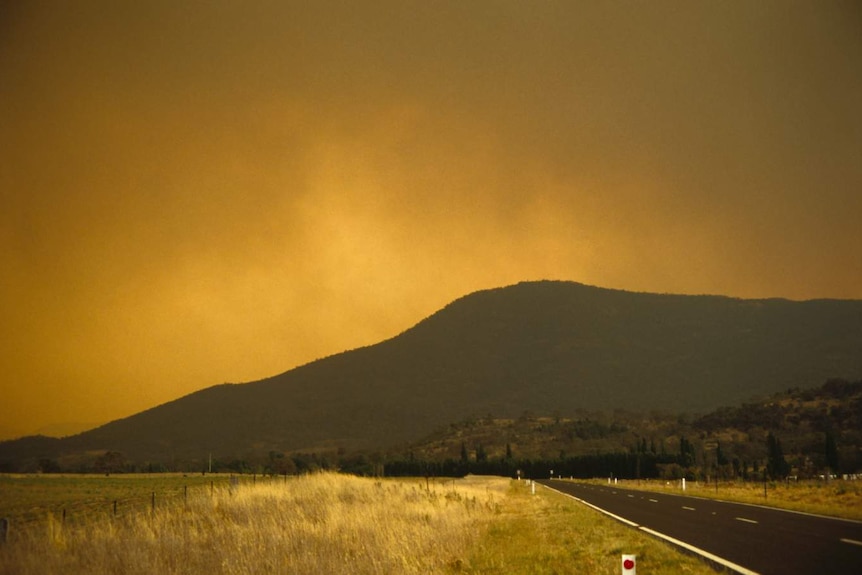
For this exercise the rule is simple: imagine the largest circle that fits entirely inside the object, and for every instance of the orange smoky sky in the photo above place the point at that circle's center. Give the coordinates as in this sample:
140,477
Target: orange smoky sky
193,193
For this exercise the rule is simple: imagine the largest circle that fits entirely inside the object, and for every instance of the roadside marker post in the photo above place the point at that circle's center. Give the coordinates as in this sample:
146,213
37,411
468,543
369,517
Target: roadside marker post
629,565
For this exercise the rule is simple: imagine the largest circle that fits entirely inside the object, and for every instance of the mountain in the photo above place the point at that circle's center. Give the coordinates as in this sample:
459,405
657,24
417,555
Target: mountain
65,428
542,347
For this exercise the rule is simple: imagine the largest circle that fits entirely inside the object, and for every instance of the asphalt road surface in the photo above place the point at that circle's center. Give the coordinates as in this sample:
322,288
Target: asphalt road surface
747,538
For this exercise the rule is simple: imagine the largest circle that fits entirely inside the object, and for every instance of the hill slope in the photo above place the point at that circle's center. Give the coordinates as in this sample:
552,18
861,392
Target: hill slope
800,418
542,346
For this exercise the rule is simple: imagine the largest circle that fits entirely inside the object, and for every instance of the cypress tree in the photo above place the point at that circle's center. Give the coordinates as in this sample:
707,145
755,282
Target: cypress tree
776,466
831,453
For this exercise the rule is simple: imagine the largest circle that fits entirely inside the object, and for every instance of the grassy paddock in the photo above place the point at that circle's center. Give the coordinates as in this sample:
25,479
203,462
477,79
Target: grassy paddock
330,523
31,498
837,498
313,524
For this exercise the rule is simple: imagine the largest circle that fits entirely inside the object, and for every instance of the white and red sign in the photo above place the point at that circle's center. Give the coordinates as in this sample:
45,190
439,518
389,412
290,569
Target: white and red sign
629,565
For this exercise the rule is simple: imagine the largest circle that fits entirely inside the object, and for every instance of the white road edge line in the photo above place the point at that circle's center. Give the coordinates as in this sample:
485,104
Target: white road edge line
599,509
715,558
851,541
746,520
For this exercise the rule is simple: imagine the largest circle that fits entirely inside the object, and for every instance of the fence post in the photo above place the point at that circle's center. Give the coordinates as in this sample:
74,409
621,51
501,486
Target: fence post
154,501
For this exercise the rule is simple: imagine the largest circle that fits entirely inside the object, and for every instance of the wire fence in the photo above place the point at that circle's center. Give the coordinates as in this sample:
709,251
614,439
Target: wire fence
26,502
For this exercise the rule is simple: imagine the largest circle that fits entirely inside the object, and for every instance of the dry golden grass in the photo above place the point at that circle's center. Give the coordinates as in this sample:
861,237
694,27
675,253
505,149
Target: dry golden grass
315,524
26,498
330,523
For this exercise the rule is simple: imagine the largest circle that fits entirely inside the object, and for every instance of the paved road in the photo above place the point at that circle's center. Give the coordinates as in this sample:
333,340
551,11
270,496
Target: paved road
755,539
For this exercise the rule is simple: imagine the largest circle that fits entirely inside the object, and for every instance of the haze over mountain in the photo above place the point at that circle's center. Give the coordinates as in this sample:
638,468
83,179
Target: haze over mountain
193,193
65,428
541,347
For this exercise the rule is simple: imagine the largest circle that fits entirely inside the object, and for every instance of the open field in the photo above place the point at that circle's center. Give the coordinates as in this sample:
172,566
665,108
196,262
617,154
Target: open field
328,523
29,498
837,498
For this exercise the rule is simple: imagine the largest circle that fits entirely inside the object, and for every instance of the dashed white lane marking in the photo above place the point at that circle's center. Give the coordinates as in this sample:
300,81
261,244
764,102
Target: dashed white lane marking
746,520
688,508
851,542
654,500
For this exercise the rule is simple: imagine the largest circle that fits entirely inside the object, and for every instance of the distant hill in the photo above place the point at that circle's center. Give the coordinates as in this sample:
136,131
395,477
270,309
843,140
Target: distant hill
800,418
541,347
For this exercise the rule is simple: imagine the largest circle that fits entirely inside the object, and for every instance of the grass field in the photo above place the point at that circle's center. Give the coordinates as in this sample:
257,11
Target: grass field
324,523
29,498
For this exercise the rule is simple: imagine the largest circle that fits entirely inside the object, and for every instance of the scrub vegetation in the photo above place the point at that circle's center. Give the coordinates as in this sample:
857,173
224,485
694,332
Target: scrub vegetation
329,523
811,434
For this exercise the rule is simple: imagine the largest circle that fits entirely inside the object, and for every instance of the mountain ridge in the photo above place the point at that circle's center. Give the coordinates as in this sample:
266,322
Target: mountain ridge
534,346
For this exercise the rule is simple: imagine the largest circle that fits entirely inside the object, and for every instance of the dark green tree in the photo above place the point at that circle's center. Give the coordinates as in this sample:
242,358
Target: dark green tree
49,466
831,453
480,453
776,466
686,452
720,458
110,462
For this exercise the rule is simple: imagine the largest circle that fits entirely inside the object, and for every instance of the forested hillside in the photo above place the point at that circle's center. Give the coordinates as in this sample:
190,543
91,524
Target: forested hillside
803,433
